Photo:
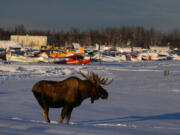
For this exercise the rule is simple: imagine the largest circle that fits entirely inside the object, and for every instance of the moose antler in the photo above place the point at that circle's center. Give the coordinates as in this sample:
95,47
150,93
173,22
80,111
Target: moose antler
96,79
104,81
86,76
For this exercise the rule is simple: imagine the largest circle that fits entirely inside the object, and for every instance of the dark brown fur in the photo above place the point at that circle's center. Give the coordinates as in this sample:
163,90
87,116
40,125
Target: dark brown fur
67,94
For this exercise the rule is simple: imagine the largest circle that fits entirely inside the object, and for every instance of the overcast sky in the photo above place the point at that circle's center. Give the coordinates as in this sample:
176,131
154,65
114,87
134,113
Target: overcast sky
85,14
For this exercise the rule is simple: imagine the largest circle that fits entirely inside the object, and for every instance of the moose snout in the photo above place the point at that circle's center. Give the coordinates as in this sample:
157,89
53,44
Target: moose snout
104,95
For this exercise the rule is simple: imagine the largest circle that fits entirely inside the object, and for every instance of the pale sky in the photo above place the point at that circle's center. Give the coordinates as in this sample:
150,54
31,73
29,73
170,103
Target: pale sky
84,14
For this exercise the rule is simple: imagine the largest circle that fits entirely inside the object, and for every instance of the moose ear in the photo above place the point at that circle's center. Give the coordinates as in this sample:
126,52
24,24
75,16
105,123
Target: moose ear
91,80
94,82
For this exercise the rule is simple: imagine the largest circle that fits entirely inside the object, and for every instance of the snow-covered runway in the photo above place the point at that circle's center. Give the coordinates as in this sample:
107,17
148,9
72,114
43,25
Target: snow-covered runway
142,101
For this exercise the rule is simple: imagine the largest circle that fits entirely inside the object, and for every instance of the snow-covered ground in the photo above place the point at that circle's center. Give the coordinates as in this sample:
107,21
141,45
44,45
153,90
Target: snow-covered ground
142,101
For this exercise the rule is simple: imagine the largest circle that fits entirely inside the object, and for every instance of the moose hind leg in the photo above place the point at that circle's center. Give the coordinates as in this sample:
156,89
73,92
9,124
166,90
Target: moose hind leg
45,112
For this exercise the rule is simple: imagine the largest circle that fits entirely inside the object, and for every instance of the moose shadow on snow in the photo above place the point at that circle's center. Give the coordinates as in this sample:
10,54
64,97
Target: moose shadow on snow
168,116
3,93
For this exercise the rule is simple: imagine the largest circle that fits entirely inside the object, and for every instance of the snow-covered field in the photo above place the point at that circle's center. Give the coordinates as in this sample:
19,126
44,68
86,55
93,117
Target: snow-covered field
142,101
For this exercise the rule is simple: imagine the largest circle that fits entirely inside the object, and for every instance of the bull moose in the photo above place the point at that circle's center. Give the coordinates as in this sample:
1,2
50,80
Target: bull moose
69,93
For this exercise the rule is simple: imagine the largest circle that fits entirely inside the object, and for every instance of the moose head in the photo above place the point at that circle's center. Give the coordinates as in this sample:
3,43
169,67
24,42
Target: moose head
96,81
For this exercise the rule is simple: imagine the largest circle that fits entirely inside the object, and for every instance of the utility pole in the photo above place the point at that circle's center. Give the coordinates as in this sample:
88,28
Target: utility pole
99,51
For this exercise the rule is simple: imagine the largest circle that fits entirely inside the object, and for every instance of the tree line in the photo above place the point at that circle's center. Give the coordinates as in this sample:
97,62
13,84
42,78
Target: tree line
124,36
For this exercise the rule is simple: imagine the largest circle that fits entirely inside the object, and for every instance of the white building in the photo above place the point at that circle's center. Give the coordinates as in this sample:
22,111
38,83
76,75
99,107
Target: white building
30,41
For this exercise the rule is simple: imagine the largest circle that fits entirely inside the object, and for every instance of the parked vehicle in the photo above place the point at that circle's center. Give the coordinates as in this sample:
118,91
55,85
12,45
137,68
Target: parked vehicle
73,59
20,57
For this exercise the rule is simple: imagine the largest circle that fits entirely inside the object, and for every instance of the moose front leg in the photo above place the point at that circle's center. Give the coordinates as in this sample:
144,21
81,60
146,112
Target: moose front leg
68,115
66,111
63,113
